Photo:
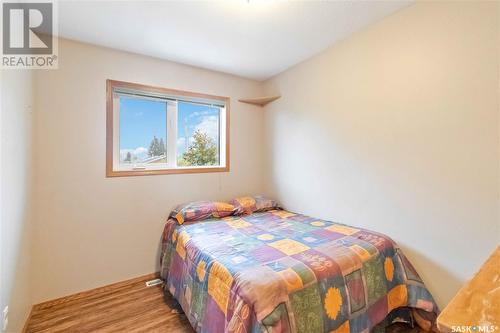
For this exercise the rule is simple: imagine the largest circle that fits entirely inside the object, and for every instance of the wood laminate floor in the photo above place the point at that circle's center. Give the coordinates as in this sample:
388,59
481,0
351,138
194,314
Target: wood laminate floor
126,307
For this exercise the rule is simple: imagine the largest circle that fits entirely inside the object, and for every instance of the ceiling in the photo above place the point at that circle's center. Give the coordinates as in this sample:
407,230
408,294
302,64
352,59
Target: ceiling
255,39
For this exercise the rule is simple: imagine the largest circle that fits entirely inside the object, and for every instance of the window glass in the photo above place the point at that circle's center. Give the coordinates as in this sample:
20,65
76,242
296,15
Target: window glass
143,131
198,130
154,130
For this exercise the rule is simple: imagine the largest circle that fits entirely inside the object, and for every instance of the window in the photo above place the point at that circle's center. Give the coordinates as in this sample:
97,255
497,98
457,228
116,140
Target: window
154,130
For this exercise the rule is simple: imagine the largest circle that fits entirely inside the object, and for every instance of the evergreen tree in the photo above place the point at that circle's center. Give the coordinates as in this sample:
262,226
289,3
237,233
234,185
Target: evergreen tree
156,147
128,158
152,147
163,148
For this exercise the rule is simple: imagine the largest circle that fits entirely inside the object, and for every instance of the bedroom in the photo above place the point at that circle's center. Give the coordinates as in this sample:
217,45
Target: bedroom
381,116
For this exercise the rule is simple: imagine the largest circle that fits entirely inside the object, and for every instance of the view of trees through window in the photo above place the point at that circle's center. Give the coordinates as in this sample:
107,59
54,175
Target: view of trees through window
203,151
197,134
143,133
143,130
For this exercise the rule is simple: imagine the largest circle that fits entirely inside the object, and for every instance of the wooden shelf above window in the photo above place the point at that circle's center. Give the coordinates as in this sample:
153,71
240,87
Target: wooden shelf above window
260,101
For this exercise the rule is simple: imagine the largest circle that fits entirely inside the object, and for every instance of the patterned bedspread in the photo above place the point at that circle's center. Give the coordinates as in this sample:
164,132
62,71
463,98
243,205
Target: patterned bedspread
277,271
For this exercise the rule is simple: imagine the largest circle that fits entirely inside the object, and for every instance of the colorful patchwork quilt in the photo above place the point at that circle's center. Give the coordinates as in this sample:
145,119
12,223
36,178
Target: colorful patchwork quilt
277,271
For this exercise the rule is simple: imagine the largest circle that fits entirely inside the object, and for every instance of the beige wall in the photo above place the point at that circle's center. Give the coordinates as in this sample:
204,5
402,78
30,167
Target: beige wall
92,230
15,242
396,129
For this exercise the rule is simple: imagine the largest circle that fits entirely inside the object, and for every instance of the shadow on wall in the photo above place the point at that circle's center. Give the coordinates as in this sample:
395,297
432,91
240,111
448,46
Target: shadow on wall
15,205
158,255
17,285
433,275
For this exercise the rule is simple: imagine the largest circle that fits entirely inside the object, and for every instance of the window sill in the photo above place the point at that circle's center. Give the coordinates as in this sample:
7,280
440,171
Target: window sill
131,173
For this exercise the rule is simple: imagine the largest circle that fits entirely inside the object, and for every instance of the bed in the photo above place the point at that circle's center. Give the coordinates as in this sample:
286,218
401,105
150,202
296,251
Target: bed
250,266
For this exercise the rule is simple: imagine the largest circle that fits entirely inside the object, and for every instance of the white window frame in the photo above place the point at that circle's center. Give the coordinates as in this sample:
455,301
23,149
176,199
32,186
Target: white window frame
117,88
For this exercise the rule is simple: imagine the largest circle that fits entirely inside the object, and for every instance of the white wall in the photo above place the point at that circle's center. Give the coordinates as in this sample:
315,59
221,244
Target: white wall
16,179
396,129
92,230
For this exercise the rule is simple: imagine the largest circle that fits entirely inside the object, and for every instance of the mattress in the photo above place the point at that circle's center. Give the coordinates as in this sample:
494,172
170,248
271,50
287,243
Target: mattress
279,271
